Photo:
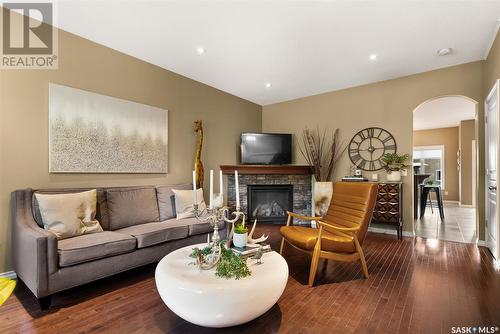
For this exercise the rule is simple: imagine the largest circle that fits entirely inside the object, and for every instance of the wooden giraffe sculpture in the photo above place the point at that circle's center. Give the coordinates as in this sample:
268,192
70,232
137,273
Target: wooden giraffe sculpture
198,165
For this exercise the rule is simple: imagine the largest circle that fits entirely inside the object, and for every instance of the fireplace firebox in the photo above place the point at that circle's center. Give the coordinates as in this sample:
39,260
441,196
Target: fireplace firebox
269,203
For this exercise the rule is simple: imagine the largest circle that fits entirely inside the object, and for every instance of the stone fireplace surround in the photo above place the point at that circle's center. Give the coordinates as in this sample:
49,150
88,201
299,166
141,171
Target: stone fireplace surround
298,176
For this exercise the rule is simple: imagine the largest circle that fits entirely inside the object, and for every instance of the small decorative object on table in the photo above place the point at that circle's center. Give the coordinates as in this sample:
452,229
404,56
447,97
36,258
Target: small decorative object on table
218,252
258,255
240,235
354,179
394,164
251,249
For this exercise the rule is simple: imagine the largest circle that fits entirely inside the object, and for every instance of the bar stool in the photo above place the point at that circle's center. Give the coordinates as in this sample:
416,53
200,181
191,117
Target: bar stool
424,195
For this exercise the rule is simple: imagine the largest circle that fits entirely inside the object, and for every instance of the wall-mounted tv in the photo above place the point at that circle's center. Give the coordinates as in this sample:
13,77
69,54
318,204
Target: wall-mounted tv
266,148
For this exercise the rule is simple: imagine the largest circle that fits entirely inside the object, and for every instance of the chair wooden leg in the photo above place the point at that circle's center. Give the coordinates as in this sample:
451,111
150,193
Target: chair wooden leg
314,264
282,245
361,257
363,264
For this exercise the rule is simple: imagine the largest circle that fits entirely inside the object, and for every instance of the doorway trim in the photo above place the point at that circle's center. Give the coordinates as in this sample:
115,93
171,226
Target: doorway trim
477,143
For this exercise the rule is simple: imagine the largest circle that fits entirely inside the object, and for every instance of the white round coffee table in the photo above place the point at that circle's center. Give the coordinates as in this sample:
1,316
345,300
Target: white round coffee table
204,299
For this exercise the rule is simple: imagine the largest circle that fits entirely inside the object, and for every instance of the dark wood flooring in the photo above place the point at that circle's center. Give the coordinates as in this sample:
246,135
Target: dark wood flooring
416,286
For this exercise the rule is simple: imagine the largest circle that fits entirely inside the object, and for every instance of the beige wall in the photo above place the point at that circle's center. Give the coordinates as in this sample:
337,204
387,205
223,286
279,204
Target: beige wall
448,137
466,135
86,65
387,104
491,67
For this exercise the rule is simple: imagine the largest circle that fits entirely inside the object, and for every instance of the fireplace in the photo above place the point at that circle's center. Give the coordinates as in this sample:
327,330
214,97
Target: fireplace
269,203
297,180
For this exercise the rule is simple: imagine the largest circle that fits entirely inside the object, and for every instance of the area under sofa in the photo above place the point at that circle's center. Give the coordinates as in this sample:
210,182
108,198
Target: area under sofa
140,227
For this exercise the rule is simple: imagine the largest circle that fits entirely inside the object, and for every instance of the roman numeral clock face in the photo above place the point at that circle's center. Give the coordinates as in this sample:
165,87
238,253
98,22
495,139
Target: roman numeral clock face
368,146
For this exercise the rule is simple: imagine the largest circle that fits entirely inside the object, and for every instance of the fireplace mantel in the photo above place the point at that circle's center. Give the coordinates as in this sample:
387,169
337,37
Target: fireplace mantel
267,169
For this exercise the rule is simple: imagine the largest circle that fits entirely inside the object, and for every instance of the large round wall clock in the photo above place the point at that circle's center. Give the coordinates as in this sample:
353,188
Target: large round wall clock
368,146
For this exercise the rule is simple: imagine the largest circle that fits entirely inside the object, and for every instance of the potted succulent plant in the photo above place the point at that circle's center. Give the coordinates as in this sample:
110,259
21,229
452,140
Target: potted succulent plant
240,235
394,164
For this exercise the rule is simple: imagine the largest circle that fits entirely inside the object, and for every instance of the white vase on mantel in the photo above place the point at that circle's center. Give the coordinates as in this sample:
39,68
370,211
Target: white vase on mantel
394,176
322,194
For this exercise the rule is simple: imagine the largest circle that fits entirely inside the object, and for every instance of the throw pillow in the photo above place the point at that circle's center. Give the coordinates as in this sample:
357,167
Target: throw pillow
184,207
69,215
131,206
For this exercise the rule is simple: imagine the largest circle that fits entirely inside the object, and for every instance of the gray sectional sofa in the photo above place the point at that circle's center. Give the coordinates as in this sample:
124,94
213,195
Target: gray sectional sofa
139,225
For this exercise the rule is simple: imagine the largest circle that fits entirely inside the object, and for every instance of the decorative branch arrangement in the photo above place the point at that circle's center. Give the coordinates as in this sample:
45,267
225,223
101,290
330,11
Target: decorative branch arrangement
321,152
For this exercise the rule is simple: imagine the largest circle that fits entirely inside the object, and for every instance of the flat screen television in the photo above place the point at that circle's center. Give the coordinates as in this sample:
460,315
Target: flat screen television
266,148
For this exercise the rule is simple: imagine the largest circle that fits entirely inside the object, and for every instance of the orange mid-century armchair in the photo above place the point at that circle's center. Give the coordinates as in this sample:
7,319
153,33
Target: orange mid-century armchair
341,231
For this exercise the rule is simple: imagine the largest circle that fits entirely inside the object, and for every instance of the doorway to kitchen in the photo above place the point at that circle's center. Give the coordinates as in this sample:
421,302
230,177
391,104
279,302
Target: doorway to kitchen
444,167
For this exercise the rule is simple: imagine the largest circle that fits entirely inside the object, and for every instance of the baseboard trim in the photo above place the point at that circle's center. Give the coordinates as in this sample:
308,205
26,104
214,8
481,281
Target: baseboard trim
465,205
389,231
482,243
9,274
451,202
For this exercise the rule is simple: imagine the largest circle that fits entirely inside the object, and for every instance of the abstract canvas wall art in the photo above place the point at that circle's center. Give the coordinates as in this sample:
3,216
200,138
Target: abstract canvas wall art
94,133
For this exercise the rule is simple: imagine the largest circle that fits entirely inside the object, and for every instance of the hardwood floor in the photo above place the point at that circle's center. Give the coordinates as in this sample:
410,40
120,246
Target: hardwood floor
415,286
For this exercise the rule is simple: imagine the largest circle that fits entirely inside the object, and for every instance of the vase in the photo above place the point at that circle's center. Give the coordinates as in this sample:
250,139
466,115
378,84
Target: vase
240,239
394,176
323,192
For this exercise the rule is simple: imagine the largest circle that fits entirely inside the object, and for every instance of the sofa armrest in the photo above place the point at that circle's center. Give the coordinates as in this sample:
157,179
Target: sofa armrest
34,249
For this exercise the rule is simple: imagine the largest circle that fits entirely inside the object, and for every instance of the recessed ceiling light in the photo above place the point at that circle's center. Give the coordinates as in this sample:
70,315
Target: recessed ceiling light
444,52
268,85
373,56
200,50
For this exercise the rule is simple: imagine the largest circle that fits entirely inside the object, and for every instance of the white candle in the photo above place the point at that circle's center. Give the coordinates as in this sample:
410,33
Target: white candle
211,188
220,184
194,188
237,186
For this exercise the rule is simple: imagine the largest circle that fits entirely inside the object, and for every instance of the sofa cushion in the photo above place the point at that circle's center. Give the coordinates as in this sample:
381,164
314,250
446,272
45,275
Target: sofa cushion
69,215
101,205
89,247
166,199
157,232
200,227
131,206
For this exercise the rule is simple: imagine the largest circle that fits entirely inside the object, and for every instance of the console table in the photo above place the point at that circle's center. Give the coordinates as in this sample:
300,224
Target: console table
389,206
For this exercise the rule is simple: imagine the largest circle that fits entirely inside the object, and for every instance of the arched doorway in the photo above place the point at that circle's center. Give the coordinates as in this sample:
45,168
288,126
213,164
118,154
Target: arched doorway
445,160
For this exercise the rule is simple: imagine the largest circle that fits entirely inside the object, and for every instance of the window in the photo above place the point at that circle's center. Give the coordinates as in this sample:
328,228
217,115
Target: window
430,160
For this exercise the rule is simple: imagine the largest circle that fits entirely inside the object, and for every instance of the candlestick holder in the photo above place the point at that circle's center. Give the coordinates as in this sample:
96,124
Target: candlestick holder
215,215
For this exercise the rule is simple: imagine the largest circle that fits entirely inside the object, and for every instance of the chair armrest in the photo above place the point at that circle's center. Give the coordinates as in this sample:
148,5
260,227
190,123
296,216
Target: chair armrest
295,215
339,228
34,250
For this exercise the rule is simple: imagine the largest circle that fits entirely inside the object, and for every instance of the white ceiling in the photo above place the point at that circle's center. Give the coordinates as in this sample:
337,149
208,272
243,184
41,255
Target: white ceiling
443,112
301,48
